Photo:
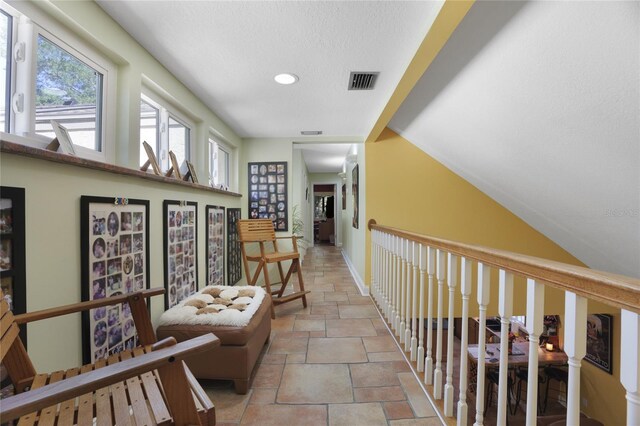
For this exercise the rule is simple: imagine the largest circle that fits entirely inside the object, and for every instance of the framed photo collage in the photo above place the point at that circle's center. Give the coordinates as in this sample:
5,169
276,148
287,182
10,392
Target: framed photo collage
268,193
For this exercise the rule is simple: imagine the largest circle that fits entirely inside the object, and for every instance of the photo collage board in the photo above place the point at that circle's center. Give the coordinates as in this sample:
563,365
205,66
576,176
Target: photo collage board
234,259
268,193
115,261
215,245
180,256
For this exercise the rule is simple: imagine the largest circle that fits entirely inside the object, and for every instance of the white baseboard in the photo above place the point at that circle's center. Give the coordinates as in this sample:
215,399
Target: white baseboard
364,290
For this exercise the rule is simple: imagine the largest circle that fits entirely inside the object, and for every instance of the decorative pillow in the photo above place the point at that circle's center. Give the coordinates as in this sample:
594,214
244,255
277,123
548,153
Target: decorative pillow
217,305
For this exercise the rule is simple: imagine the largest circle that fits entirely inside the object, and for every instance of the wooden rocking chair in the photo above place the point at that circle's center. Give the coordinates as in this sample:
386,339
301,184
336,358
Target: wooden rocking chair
148,385
261,231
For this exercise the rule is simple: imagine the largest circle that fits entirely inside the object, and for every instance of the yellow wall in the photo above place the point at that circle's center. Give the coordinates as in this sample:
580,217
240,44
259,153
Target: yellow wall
408,189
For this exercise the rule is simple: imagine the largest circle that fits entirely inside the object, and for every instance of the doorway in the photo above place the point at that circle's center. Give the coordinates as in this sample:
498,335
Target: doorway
324,214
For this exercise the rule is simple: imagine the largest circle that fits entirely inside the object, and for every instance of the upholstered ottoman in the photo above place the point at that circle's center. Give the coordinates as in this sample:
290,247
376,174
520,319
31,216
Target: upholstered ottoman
241,344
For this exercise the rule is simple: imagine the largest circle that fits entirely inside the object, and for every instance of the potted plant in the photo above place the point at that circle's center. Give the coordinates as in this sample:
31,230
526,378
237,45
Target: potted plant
297,229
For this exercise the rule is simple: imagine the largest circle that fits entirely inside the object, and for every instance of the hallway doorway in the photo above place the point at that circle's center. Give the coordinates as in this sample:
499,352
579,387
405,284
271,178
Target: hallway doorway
324,214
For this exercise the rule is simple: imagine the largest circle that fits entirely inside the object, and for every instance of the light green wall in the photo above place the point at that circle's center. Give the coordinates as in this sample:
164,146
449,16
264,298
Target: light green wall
52,198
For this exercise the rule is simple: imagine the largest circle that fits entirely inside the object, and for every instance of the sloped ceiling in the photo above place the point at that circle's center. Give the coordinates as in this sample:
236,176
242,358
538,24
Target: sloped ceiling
537,104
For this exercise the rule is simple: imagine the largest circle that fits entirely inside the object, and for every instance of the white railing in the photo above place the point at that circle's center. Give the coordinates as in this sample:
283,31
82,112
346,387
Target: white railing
405,268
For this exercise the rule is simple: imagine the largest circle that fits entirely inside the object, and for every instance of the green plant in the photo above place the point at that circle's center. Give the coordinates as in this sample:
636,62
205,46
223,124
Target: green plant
298,222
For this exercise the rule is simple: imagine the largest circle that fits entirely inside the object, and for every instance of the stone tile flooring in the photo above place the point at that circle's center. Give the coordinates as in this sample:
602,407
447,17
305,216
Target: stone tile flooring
332,363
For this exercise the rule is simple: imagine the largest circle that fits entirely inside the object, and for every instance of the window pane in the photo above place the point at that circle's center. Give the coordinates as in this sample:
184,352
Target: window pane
178,140
70,92
5,66
223,167
149,126
213,162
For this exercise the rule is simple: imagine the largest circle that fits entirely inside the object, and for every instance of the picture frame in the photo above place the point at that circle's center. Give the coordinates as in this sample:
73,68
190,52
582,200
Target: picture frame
600,341
174,169
215,244
191,173
180,225
344,196
12,251
355,188
62,141
114,251
234,259
272,193
151,160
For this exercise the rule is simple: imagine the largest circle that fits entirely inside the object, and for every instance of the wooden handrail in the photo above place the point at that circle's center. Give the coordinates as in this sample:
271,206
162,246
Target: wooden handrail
83,306
615,290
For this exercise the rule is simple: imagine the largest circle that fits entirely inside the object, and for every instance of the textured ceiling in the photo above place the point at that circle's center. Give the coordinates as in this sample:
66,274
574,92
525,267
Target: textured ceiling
324,157
537,104
227,52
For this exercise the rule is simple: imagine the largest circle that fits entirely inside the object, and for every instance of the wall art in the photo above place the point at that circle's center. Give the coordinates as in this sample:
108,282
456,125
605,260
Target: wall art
600,341
115,260
355,188
215,245
268,193
180,224
234,258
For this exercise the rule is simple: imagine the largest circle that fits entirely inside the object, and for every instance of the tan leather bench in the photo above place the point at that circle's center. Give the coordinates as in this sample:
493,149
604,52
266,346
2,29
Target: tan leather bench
241,347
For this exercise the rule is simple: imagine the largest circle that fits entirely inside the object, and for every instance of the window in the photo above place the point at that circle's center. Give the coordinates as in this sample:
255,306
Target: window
165,129
149,128
6,27
70,92
59,77
219,163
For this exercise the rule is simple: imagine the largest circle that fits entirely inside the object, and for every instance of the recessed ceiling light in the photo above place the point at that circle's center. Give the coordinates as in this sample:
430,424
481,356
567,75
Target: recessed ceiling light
286,78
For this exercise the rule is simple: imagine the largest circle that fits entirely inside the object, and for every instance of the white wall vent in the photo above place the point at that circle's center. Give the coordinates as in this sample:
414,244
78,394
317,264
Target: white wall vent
362,80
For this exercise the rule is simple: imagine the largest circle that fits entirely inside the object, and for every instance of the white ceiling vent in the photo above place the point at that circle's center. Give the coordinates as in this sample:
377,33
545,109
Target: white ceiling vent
311,132
362,80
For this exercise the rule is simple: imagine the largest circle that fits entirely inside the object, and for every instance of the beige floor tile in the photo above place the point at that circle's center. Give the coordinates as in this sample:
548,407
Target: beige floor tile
385,356
267,376
315,384
367,414
296,358
309,324
380,344
279,415
381,393
273,359
229,405
418,400
350,328
324,310
358,311
431,421
373,374
398,410
327,288
336,296
290,334
293,345
356,299
283,323
379,324
322,333
335,350
261,396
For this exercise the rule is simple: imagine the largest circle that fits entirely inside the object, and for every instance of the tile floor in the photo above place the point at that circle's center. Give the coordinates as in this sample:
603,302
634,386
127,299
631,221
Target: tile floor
333,363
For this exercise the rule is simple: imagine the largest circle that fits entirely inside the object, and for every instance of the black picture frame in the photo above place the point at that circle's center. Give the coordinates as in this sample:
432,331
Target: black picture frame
215,244
267,189
114,250
356,196
600,341
180,259
13,246
234,259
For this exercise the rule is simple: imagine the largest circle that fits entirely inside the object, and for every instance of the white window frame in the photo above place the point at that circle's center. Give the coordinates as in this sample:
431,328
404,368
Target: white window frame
29,22
217,143
167,110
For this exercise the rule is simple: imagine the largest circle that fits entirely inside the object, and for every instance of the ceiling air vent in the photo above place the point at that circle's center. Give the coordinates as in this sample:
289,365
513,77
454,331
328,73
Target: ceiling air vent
311,132
362,80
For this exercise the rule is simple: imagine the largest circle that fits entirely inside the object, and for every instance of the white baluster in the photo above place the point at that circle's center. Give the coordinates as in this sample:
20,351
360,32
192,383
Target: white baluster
408,254
387,273
629,364
465,289
431,267
575,345
398,284
394,282
403,287
441,275
414,300
372,284
505,308
535,316
452,281
423,270
484,288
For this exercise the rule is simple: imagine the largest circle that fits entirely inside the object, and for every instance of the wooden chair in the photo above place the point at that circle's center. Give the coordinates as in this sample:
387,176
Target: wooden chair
261,231
146,386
